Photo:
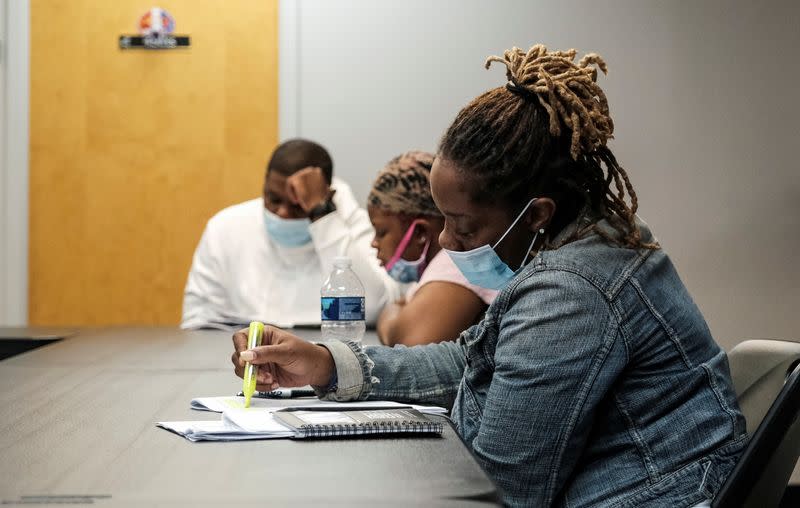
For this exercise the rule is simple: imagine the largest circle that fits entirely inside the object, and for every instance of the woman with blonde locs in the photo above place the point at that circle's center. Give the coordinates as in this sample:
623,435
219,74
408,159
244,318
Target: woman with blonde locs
593,379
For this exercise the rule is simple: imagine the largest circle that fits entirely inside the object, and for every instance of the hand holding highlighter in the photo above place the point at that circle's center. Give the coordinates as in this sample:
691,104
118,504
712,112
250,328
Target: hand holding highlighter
254,337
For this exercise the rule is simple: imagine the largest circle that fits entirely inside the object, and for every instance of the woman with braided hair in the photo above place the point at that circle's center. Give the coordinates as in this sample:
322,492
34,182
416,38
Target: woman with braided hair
440,303
593,379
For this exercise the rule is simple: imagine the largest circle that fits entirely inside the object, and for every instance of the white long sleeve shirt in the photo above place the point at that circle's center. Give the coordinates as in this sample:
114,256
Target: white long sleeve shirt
239,274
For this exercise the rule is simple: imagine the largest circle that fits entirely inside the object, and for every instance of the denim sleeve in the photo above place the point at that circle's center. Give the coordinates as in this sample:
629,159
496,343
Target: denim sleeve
428,374
555,357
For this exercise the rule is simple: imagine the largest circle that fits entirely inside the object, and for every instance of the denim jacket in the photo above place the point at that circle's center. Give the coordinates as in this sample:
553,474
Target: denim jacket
593,380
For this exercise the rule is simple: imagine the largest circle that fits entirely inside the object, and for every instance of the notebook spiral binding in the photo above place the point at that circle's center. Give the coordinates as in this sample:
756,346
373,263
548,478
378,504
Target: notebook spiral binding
360,429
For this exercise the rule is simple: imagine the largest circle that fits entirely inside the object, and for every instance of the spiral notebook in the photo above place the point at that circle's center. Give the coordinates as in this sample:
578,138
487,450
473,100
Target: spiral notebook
329,422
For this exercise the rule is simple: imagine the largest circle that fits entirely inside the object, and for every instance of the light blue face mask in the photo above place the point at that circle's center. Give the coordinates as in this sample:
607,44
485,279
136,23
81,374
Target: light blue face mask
287,232
483,267
403,270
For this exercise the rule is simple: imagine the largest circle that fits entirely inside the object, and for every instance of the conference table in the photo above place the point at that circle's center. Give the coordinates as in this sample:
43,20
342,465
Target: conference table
78,427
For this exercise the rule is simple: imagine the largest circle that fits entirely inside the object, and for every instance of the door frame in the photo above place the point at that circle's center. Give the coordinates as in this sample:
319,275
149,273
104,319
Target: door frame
14,150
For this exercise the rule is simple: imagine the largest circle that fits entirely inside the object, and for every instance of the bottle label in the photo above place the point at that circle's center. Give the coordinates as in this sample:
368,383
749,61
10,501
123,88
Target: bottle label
342,308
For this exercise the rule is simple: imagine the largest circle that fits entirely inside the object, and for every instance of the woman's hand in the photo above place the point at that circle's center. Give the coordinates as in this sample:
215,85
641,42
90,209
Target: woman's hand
283,360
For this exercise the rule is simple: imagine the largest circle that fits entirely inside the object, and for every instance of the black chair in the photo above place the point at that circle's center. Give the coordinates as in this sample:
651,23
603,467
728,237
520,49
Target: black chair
760,477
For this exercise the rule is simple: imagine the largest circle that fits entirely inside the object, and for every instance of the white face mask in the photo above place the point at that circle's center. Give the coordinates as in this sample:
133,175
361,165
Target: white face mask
483,267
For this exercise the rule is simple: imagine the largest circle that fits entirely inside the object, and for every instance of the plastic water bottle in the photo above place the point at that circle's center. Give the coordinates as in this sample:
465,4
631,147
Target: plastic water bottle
342,302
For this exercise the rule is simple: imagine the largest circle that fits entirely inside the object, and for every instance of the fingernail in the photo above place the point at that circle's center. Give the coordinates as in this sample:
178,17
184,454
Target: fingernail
247,356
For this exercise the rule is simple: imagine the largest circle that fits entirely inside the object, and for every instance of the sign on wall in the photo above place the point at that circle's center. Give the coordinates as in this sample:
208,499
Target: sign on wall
156,28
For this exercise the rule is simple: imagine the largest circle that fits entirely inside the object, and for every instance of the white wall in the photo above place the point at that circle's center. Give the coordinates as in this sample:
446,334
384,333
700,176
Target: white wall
703,95
14,162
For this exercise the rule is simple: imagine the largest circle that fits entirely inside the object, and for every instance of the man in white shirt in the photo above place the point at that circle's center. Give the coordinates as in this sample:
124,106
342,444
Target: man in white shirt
266,259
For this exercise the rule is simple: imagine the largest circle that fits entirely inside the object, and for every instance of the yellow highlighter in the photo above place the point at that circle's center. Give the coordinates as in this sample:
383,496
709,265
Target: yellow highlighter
254,337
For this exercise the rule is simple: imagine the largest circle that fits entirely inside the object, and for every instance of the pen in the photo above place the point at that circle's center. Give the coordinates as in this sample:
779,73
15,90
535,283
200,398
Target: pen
283,393
254,336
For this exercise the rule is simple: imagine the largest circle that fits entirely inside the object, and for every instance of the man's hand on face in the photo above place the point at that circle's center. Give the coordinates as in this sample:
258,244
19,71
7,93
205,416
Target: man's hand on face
307,188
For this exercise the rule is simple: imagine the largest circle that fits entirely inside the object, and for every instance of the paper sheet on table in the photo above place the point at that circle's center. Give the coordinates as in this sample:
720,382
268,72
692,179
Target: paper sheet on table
223,430
222,404
261,419
256,422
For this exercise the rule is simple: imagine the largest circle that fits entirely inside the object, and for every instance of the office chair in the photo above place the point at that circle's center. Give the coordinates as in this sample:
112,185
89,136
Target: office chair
760,477
758,369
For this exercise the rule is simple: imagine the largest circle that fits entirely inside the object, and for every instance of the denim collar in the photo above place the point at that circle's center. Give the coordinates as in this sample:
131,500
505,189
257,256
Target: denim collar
585,219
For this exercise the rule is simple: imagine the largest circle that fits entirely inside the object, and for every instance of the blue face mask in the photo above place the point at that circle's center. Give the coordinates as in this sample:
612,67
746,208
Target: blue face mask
287,232
403,270
483,267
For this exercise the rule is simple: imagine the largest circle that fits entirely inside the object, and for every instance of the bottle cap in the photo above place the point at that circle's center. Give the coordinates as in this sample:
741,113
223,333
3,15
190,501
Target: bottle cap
342,262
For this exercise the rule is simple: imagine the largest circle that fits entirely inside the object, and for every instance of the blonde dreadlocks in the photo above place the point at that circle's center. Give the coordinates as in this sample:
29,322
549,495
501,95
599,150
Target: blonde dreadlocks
503,138
568,92
403,186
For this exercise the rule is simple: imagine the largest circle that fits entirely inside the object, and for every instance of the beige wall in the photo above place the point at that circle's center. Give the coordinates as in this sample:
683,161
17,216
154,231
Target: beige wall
131,152
704,97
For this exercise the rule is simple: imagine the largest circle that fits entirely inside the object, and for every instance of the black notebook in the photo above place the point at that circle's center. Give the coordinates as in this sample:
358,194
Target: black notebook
330,422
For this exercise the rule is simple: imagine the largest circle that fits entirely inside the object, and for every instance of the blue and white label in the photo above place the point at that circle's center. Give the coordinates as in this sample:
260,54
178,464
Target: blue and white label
342,308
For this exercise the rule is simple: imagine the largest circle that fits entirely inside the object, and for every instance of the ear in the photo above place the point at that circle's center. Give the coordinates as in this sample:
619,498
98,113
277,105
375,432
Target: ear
422,231
540,214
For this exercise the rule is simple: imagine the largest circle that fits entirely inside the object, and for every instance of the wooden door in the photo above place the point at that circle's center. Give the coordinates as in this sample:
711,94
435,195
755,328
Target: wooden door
132,151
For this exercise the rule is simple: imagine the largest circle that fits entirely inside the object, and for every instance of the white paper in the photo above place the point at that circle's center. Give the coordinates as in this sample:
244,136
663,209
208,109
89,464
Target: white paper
257,422
261,419
222,404
220,430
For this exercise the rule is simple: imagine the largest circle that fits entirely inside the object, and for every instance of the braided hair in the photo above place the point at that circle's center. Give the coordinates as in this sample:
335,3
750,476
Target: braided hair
545,133
403,186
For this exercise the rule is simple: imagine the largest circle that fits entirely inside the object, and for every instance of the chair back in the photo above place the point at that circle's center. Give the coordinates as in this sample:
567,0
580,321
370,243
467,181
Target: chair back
758,369
759,478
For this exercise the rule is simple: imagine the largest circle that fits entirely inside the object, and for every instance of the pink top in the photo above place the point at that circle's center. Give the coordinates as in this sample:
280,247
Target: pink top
442,268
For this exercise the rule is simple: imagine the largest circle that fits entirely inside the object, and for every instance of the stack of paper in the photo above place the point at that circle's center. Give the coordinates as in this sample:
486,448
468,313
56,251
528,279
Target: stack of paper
256,422
222,430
